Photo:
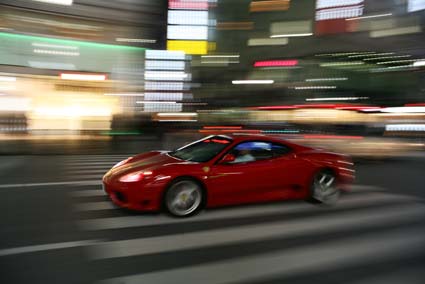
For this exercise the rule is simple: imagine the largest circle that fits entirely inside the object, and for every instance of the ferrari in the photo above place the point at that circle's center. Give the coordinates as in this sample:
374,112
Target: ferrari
223,170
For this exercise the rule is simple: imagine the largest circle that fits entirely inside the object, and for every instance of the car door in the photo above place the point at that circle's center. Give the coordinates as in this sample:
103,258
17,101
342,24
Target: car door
289,173
244,180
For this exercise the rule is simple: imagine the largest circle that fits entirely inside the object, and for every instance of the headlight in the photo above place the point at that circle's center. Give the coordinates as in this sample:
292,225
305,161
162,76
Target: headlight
133,177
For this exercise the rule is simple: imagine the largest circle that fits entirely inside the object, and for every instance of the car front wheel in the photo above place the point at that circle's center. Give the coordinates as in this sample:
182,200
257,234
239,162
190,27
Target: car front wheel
183,198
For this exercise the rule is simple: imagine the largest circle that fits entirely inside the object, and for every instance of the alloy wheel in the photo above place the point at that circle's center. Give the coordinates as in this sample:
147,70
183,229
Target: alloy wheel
183,198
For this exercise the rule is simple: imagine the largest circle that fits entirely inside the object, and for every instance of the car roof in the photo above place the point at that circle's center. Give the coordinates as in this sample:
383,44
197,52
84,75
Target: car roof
237,138
243,137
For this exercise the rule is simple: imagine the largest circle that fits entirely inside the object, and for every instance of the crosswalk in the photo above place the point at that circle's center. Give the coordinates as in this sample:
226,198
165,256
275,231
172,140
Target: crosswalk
270,243
90,167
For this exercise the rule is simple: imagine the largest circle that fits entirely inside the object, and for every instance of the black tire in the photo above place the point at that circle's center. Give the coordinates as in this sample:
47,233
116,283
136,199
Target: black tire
184,197
323,188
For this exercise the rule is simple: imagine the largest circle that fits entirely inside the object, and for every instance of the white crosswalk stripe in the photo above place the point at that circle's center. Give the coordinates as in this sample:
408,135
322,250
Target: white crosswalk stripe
364,218
284,207
90,167
354,250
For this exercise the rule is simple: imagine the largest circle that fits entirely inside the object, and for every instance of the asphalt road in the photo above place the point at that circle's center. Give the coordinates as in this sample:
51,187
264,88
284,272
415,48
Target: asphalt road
56,226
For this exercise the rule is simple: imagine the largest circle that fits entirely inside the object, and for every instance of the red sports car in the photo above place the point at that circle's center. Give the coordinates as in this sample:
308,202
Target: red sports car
224,170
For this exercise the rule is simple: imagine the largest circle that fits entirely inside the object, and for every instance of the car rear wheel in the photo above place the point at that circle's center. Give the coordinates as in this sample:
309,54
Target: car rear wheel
183,198
324,189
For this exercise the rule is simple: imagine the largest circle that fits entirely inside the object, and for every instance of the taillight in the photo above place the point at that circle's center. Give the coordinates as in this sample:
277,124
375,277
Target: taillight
133,177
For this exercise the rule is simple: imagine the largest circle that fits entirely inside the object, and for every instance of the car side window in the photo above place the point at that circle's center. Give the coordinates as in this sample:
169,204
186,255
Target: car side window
252,151
280,150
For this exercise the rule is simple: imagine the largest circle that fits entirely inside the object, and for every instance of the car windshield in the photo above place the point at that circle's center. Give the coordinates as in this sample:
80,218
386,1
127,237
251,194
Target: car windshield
203,150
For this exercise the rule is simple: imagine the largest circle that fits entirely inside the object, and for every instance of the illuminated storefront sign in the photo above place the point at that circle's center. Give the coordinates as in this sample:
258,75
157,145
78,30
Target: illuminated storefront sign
189,46
188,26
331,15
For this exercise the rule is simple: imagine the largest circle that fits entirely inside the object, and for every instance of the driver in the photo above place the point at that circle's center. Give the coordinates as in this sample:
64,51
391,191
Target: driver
244,155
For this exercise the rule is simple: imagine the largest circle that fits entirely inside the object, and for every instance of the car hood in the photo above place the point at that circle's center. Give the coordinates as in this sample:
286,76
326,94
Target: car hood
146,161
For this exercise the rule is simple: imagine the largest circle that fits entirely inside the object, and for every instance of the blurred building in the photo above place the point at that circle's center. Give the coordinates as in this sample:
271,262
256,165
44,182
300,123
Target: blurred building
62,62
290,52
82,66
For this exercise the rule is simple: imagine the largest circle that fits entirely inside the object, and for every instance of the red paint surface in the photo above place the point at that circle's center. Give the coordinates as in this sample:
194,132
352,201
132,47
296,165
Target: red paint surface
280,178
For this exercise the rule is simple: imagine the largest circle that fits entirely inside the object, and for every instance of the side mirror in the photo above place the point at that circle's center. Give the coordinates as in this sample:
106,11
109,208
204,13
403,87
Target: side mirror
228,158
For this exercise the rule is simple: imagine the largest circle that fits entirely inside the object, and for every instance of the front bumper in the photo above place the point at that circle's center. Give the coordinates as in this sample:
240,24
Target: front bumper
133,195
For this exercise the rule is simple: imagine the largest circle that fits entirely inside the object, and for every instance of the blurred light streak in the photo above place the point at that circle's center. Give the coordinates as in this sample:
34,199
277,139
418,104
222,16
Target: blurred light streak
370,17
167,76
339,11
344,53
14,104
165,54
276,63
69,42
220,56
168,114
416,109
360,108
222,127
386,57
415,5
138,40
315,88
337,99
72,111
187,32
269,5
164,65
58,2
326,79
370,55
155,102
7,79
419,63
405,127
188,4
166,86
188,17
125,94
395,31
395,61
177,120
7,88
55,52
280,131
292,35
242,82
242,131
267,41
82,77
275,107
163,96
51,65
188,46
320,136
39,44
342,63
392,68
415,104
320,4
236,26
